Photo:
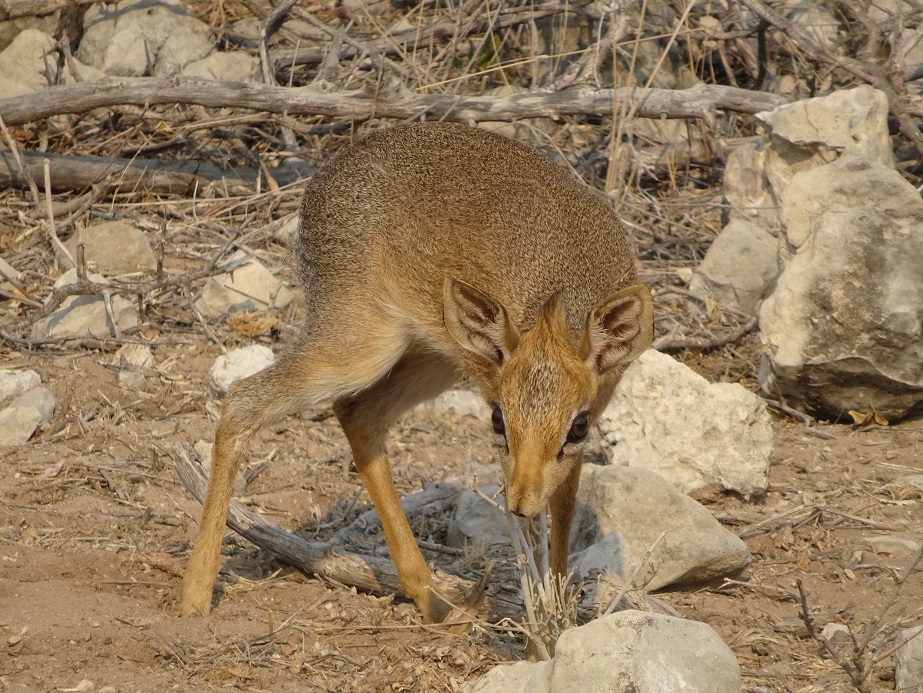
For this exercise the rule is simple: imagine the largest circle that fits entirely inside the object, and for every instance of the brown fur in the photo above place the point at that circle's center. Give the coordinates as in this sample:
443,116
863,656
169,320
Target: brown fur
430,252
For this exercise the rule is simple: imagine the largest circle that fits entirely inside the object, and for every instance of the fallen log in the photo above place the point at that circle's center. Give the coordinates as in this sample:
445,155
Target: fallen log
367,573
160,176
700,101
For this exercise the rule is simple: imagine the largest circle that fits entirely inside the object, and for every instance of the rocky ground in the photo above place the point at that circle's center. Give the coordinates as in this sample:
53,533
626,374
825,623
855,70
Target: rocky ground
95,530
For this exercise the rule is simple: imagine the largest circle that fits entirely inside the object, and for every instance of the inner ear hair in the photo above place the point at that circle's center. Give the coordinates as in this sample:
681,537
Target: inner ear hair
478,322
619,328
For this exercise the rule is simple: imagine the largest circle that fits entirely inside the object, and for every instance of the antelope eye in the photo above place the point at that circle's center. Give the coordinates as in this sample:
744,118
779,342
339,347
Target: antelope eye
496,419
579,428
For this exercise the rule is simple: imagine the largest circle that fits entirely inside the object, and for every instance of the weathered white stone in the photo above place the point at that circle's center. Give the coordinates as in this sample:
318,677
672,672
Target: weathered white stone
23,65
908,661
462,402
740,267
477,521
643,653
237,364
695,434
13,383
853,122
20,419
248,288
844,328
527,677
629,508
138,37
85,316
135,357
114,248
234,66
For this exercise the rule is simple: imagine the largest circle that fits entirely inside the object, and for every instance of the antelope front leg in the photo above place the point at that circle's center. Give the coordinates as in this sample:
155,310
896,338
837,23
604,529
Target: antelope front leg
367,443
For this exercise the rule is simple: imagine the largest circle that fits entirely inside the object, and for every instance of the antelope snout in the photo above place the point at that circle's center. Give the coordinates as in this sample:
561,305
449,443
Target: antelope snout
524,499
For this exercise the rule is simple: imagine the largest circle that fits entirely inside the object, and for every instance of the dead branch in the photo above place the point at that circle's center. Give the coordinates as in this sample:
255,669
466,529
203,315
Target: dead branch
700,101
159,176
368,573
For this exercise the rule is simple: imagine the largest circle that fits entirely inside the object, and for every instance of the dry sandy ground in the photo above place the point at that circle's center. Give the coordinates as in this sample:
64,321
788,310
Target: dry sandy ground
95,531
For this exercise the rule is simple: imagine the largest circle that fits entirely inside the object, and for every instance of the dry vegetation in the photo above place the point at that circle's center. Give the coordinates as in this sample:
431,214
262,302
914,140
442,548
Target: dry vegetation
91,513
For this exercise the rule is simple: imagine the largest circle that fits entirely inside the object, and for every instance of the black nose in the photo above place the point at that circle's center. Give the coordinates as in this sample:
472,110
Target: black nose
518,514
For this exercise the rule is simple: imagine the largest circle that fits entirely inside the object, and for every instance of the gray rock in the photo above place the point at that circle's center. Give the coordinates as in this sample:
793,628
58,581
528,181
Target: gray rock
462,402
248,288
138,37
740,267
38,398
643,653
10,29
527,677
629,508
892,545
85,316
696,434
22,64
842,331
13,383
476,521
235,66
114,248
237,364
908,661
20,419
836,633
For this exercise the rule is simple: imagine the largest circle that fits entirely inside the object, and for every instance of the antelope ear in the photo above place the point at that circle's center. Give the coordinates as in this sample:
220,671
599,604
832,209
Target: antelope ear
618,329
478,323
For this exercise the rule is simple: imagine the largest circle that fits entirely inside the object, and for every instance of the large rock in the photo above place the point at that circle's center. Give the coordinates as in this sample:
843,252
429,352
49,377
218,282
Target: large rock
248,288
237,364
140,37
629,651
844,328
86,316
233,66
695,434
114,248
750,197
740,267
629,508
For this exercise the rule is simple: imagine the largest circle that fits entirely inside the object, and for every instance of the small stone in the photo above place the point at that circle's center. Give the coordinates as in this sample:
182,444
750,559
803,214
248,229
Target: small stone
23,416
892,545
86,316
836,633
462,402
232,66
135,357
248,288
114,248
237,364
14,383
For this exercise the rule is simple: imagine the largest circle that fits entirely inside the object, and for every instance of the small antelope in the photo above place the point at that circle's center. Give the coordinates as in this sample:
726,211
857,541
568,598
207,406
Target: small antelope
429,253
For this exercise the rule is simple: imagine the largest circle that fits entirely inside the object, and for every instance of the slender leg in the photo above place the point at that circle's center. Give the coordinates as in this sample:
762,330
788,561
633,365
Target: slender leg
299,377
562,505
365,419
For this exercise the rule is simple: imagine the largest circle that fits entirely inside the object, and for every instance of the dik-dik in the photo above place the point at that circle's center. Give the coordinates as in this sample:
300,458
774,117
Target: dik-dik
431,253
